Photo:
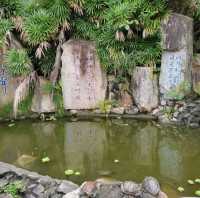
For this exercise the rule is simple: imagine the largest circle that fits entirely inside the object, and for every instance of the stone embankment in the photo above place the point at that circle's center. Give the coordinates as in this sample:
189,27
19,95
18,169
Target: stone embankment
34,185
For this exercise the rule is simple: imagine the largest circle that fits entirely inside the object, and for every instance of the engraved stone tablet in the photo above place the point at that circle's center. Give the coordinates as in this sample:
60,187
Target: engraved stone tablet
176,65
83,80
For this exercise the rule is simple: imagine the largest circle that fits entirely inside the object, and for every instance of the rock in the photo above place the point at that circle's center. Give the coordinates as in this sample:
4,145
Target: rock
177,43
150,185
162,195
73,194
109,191
66,187
196,74
131,188
4,195
38,190
42,101
83,80
8,86
126,100
145,89
155,111
89,188
132,110
118,110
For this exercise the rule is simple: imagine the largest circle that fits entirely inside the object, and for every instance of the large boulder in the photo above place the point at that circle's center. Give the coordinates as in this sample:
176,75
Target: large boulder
83,80
145,88
176,66
42,100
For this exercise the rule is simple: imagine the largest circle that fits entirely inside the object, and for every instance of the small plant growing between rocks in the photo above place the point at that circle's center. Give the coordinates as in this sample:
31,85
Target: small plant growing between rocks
14,189
179,92
168,111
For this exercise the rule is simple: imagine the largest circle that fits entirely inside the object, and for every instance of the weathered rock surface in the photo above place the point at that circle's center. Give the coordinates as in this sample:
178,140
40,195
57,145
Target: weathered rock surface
42,100
145,89
176,66
150,188
34,185
196,73
189,114
8,86
83,80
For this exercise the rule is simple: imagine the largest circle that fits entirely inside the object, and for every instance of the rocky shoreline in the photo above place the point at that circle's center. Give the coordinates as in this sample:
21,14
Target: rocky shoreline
32,185
185,113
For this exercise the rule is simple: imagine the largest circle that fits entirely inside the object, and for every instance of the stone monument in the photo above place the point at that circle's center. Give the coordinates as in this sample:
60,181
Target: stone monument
145,88
8,84
42,100
83,80
177,45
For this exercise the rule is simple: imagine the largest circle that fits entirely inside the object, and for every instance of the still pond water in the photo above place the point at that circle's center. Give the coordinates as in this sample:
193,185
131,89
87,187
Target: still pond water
170,154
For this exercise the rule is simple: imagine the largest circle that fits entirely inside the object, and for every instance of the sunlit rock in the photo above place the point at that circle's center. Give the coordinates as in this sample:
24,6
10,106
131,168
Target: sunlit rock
42,100
145,88
83,80
176,66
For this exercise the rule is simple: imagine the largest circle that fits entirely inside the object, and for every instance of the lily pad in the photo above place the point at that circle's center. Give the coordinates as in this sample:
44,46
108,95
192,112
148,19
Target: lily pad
197,180
197,193
180,189
116,161
69,172
45,159
190,181
11,125
77,173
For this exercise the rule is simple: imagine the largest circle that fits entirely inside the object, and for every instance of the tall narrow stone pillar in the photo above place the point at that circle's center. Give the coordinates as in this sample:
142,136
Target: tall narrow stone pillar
176,66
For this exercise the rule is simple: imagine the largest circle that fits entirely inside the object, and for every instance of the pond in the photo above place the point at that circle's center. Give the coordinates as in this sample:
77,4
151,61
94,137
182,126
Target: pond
117,149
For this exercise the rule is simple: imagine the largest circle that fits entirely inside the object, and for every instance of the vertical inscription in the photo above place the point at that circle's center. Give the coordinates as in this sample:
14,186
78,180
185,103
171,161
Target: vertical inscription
3,80
175,63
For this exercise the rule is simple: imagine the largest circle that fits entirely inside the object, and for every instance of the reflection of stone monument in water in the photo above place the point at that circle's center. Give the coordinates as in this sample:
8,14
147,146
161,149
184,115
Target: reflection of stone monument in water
177,43
171,159
83,80
85,144
145,149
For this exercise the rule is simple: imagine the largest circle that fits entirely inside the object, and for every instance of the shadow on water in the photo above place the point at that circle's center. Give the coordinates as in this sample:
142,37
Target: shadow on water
170,154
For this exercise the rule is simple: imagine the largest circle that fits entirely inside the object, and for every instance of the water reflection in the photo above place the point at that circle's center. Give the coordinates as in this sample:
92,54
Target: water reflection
85,146
143,148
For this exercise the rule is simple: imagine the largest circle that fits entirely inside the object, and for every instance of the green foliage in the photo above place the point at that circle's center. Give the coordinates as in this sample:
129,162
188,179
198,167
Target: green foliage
6,25
126,33
56,90
39,27
105,106
17,62
25,105
13,189
179,92
6,110
47,61
168,111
